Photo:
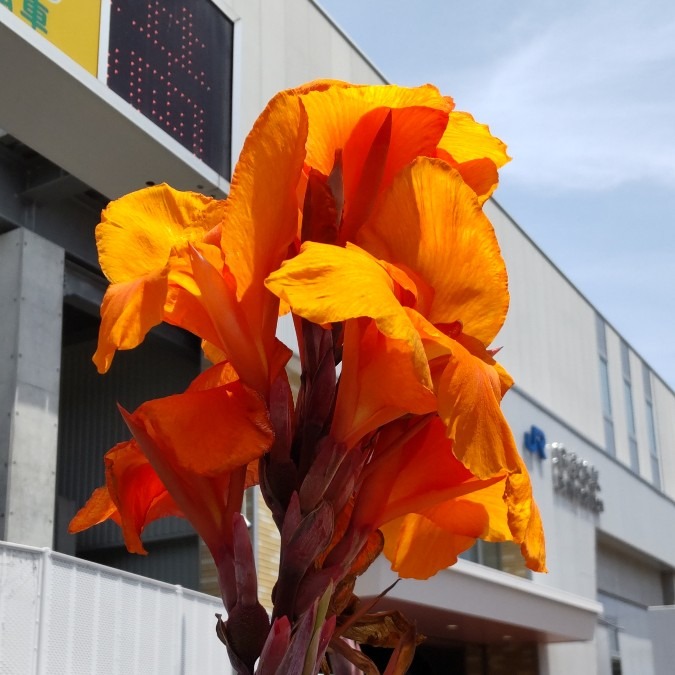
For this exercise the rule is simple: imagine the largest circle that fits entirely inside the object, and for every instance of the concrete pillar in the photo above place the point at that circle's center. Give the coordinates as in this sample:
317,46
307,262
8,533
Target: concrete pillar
31,305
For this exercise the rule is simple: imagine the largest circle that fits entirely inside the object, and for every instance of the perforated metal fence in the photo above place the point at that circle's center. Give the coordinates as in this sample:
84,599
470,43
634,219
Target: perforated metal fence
63,616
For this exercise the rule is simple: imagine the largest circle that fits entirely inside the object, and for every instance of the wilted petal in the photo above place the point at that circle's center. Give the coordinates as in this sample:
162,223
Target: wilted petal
430,222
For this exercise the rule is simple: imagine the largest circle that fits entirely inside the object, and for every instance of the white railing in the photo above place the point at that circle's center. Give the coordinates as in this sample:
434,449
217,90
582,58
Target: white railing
63,616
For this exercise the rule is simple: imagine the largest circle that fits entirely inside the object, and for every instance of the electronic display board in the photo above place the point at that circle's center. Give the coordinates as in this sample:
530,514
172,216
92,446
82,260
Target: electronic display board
172,60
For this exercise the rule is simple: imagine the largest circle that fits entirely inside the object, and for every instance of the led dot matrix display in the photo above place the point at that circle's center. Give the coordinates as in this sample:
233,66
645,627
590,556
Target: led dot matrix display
172,60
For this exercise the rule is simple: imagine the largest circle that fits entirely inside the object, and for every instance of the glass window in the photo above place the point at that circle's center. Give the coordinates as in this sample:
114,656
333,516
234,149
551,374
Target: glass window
630,412
651,428
601,335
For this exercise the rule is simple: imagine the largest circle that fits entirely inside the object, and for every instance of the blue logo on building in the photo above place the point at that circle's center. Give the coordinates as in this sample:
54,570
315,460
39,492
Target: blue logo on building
535,441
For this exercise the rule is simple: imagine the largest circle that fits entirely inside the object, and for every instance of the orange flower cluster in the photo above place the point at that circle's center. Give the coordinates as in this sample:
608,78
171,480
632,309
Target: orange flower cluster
359,209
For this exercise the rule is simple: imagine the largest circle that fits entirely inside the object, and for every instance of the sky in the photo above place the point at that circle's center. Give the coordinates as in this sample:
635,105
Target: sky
583,93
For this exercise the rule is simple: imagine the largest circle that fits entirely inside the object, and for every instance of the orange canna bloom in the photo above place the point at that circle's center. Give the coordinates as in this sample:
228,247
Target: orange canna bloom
432,308
186,459
359,208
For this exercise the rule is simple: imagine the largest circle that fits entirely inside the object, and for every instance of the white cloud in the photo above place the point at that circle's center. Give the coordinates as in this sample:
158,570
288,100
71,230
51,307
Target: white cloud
584,99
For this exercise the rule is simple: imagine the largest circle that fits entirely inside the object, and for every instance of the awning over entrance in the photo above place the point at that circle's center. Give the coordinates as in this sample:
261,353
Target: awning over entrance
473,603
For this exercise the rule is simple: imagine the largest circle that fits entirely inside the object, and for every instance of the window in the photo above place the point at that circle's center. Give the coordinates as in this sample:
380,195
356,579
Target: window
503,555
604,386
651,427
630,414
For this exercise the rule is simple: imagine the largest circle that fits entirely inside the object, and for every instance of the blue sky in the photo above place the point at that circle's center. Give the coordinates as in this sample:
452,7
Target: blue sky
583,93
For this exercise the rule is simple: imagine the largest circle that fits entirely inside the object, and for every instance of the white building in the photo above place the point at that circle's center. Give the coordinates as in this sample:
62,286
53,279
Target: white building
90,108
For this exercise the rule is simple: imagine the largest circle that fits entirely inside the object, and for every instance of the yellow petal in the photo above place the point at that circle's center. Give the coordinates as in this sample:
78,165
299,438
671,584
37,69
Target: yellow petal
327,283
138,231
465,139
429,221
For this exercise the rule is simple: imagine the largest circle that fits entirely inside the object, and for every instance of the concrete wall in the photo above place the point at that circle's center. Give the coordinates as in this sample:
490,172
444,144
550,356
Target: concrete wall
284,43
31,291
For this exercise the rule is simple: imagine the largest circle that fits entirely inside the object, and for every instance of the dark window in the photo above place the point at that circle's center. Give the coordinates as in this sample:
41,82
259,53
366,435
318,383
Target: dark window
172,60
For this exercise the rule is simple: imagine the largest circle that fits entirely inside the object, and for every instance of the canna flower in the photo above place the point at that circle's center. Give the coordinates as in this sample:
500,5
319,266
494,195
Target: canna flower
359,209
422,301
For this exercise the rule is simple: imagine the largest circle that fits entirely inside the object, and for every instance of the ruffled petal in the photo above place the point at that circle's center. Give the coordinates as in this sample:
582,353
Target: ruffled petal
138,231
133,495
465,140
430,222
469,392
335,110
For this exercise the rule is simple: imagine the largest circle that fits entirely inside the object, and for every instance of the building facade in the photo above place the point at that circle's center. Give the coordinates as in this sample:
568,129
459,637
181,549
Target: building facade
102,98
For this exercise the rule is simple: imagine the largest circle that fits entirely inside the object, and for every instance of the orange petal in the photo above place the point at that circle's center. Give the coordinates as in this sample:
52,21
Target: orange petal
211,431
208,502
413,470
525,521
419,546
134,496
262,209
137,491
383,141
479,174
99,508
469,392
380,381
335,110
138,231
245,347
430,222
129,310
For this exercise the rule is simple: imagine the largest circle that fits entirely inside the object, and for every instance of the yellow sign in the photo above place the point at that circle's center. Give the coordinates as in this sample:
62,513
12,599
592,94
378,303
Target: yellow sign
71,25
